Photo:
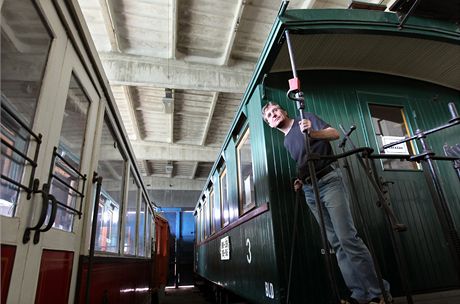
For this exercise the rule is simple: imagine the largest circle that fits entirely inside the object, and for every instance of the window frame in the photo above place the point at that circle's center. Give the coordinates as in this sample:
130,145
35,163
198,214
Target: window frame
412,148
224,204
242,136
108,120
142,200
131,172
77,160
32,137
211,210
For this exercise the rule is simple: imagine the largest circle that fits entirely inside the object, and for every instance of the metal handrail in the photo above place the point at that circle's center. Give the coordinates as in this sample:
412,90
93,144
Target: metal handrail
81,177
5,108
43,213
98,180
19,152
48,226
33,162
68,164
67,184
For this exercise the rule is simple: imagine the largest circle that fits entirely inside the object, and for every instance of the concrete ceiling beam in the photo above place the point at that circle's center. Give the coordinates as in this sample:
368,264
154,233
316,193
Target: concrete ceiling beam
122,69
195,167
166,183
308,4
110,23
131,111
172,29
234,29
161,183
165,152
215,97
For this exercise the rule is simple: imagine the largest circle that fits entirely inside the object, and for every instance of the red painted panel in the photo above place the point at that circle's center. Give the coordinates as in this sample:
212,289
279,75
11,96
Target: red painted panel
117,280
160,275
8,253
126,280
54,278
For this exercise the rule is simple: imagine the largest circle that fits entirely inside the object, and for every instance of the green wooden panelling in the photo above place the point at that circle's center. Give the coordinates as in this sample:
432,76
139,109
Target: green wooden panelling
251,240
339,98
411,200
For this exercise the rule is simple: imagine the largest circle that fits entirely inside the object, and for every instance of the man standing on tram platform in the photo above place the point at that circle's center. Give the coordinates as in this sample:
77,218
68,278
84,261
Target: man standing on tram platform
353,257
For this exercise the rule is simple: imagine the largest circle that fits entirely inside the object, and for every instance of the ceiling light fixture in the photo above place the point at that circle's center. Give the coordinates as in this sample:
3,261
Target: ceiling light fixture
168,101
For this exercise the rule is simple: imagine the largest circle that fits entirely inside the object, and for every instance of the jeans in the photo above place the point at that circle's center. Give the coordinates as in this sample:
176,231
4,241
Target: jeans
353,257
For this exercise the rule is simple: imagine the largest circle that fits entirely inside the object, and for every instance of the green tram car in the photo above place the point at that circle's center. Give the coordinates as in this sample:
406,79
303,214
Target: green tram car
357,67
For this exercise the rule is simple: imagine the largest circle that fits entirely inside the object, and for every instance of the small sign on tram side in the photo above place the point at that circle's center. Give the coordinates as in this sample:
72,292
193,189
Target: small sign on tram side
398,149
225,248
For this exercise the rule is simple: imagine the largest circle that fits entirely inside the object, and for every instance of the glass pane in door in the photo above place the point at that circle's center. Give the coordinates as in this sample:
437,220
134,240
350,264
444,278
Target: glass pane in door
25,44
111,166
225,214
142,215
70,149
245,173
390,125
131,216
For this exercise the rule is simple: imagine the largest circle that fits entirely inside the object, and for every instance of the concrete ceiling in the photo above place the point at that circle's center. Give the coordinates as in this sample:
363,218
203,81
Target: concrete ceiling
178,69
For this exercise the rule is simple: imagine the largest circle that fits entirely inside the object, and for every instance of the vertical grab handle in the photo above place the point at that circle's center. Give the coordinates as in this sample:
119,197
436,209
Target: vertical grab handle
98,180
48,226
43,213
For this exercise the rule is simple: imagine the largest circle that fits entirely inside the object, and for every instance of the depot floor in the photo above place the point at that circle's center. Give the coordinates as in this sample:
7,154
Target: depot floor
192,295
184,295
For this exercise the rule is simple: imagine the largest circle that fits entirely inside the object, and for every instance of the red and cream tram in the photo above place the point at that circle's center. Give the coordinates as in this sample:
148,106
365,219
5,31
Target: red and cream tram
77,225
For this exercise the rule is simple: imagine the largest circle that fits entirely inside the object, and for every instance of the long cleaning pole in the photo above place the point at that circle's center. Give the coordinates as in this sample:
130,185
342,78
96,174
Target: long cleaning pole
295,87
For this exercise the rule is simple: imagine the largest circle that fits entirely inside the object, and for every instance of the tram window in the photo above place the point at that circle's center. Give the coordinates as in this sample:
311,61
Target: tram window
202,221
390,125
129,246
197,224
213,211
70,148
158,239
111,166
225,216
205,218
107,224
11,164
208,208
149,231
245,173
25,42
142,215
216,212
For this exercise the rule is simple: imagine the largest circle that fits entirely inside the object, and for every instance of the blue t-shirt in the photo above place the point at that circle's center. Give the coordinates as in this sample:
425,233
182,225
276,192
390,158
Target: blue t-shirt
294,143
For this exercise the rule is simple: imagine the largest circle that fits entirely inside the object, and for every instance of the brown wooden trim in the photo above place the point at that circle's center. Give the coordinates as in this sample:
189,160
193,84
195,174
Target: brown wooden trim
248,216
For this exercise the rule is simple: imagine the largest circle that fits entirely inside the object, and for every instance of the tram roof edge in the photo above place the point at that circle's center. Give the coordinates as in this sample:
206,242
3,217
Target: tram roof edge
303,19
341,21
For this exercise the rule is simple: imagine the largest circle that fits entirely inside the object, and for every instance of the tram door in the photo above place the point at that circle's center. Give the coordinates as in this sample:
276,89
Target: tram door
41,235
388,119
